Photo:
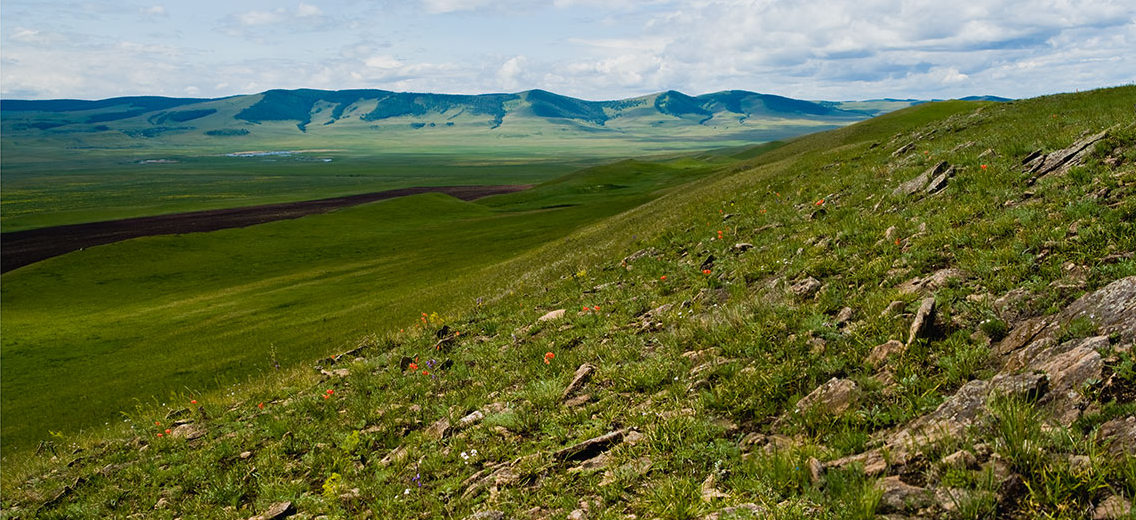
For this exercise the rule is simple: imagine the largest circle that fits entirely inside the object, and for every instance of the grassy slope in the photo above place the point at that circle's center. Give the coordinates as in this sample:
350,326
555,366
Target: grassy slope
315,450
159,314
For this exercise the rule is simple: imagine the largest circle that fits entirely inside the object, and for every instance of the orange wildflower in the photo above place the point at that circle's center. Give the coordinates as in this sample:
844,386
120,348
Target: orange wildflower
193,401
261,406
167,431
820,202
663,277
705,271
413,366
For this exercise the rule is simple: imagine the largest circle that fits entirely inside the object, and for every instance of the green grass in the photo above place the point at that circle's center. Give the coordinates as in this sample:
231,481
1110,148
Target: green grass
198,311
731,358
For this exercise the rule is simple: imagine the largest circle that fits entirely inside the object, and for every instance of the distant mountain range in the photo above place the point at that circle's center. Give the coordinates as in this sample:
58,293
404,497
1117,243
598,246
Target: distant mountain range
721,116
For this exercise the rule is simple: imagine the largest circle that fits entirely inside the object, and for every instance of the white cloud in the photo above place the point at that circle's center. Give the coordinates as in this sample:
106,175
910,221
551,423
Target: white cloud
509,75
308,10
154,10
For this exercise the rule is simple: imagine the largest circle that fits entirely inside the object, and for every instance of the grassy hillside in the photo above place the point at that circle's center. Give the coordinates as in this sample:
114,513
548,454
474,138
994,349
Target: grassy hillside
701,325
94,331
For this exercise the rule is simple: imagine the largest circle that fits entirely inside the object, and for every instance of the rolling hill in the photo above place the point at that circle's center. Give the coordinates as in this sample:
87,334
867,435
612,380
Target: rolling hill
929,314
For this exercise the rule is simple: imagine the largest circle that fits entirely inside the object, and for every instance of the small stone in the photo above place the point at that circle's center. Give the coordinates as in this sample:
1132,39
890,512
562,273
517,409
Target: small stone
582,375
439,429
740,511
881,352
577,514
278,511
940,182
709,491
579,400
924,320
470,420
1113,508
487,515
833,397
552,315
1119,435
844,316
742,247
806,288
816,470
961,459
891,233
591,447
246,454
162,503
893,308
188,432
899,496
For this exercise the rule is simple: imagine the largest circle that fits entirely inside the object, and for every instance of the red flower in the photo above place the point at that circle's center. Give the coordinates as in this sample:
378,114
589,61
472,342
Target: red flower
425,372
159,435
325,396
596,308
983,166
157,423
193,401
413,366
167,431
261,406
705,271
820,202
330,391
663,277
585,308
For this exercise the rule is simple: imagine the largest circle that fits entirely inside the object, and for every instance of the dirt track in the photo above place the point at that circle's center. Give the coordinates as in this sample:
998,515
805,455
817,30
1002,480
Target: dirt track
20,248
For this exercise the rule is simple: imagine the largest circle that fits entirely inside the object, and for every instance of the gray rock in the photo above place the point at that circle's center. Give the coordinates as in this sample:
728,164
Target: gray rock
833,397
899,496
938,183
806,288
740,511
918,183
439,429
881,352
552,315
924,320
487,515
961,459
582,375
1061,160
591,447
1114,507
473,418
1120,436
844,316
277,511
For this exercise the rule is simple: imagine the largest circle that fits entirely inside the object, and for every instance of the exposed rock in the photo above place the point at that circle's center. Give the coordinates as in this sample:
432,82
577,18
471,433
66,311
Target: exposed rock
709,492
833,397
439,429
881,352
579,400
961,459
339,372
806,288
404,363
899,496
277,511
742,247
919,182
188,432
577,514
844,316
637,467
1061,160
924,320
552,315
936,280
873,462
902,150
582,375
1114,507
596,463
473,418
891,233
162,503
591,447
954,499
708,263
940,182
740,511
396,456
1120,436
1068,373
816,470
487,515
245,454
893,308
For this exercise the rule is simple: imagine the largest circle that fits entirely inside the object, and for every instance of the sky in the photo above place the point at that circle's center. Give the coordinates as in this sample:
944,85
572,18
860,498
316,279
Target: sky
592,49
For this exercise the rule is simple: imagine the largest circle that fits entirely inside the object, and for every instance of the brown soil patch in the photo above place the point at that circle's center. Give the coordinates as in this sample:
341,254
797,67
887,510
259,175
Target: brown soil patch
20,248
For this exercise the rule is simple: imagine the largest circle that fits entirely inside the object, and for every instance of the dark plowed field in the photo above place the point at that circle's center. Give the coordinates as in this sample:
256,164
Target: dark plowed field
20,248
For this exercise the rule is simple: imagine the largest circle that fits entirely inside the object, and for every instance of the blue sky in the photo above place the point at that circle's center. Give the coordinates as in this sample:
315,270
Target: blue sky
594,49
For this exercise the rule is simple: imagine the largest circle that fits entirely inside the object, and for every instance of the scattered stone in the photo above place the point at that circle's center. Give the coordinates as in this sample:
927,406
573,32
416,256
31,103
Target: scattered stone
552,315
961,459
816,470
579,400
637,467
245,454
404,363
902,150
709,492
1061,160
591,447
439,429
1120,436
924,320
707,264
596,463
487,515
1114,507
919,182
844,316
742,247
188,432
899,496
740,511
473,418
833,397
952,500
577,514
938,183
936,280
893,308
162,503
806,288
277,511
872,461
339,372
881,352
582,375
891,233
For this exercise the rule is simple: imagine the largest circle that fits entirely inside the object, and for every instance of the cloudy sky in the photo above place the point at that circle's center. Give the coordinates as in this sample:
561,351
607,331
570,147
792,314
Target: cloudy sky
594,49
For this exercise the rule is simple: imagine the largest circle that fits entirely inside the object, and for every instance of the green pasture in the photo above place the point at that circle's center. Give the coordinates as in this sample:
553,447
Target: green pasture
87,334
